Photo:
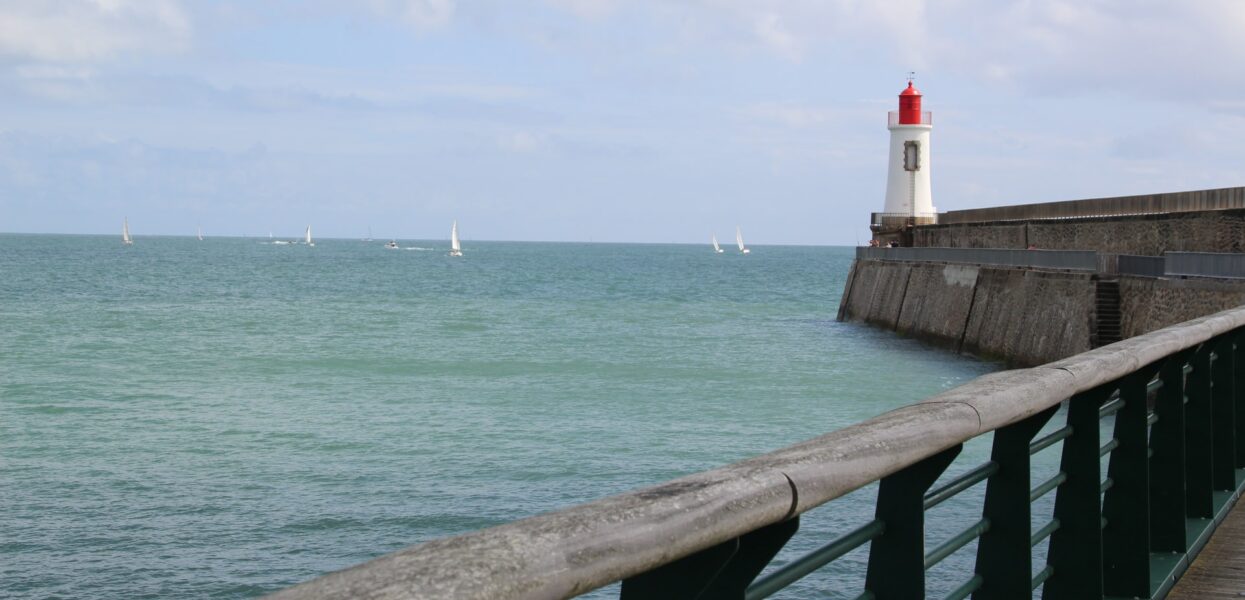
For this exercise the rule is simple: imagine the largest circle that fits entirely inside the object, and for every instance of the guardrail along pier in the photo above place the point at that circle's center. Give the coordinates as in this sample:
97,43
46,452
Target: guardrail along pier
1173,404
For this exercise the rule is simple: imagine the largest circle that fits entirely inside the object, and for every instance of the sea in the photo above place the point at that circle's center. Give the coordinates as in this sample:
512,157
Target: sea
227,417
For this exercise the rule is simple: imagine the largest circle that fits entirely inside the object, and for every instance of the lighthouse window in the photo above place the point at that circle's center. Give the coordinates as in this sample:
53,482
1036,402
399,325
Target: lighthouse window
911,156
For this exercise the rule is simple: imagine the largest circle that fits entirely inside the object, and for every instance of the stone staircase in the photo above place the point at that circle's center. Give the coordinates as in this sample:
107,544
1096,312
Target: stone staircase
1107,305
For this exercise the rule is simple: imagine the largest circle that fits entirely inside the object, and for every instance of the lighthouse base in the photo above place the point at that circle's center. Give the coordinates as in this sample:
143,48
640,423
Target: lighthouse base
896,229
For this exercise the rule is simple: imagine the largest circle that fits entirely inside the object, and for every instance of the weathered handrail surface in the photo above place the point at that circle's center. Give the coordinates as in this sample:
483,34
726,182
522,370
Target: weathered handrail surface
1191,201
575,550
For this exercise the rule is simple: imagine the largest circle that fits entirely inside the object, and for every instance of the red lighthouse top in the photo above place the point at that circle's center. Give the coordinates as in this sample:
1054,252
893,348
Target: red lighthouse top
910,106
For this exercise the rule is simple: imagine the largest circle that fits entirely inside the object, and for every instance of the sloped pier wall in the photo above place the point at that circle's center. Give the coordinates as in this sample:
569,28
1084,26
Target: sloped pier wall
1022,316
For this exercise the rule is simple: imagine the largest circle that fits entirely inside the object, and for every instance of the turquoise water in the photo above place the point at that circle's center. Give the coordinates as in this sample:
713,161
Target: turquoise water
228,417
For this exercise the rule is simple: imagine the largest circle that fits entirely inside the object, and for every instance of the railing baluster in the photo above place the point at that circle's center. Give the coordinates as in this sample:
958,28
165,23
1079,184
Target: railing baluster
897,557
1224,415
1075,555
1239,402
1199,485
683,578
1167,466
756,550
722,571
1126,505
1004,554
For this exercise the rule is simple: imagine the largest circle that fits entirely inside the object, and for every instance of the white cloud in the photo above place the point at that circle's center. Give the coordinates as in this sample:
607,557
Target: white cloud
522,142
54,72
427,14
791,115
479,92
423,14
770,30
586,9
1155,49
1171,50
90,30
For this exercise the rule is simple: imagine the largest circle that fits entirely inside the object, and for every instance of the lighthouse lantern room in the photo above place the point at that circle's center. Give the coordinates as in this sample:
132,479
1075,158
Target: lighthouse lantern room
908,199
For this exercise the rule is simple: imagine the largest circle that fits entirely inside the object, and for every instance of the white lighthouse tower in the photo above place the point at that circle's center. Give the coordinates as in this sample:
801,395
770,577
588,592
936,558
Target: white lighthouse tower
908,198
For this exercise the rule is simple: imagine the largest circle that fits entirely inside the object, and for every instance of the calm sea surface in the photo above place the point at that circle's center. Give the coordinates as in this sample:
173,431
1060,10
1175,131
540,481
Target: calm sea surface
228,417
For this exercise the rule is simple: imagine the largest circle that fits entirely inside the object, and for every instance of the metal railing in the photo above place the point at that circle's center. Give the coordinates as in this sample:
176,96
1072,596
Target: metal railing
1077,260
1174,471
892,118
1205,264
1197,200
1144,266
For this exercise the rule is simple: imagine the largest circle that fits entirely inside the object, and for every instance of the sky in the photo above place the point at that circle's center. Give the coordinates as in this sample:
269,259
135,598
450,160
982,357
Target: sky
595,120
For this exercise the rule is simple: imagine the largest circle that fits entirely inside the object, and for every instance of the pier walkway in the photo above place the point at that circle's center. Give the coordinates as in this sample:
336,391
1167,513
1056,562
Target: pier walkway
1219,571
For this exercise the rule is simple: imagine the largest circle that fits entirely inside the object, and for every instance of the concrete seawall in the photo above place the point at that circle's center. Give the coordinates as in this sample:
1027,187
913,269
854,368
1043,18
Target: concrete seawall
1148,304
1023,316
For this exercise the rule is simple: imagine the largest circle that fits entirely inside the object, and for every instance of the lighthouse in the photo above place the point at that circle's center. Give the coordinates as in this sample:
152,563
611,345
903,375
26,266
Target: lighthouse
908,198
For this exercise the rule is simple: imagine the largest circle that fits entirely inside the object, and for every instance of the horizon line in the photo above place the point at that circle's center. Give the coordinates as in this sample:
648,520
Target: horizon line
382,239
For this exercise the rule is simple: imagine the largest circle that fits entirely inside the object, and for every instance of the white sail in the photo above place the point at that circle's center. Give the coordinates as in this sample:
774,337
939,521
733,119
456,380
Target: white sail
739,240
455,248
200,234
308,240
716,247
125,232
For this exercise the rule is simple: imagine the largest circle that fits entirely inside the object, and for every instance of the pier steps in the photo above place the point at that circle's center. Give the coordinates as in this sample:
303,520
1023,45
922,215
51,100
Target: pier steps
1107,312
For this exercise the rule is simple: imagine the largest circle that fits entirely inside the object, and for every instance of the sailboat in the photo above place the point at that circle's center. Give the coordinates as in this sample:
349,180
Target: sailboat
125,232
200,233
739,240
369,234
716,248
455,248
308,240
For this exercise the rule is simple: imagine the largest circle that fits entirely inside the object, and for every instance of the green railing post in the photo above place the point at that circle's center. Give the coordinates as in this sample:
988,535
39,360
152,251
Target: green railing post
756,550
897,557
1199,432
1005,552
1167,466
1239,402
722,571
1126,505
1075,554
683,578
1223,415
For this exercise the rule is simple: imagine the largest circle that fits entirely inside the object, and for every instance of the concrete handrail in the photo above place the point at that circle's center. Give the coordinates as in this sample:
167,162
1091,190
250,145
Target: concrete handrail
575,550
